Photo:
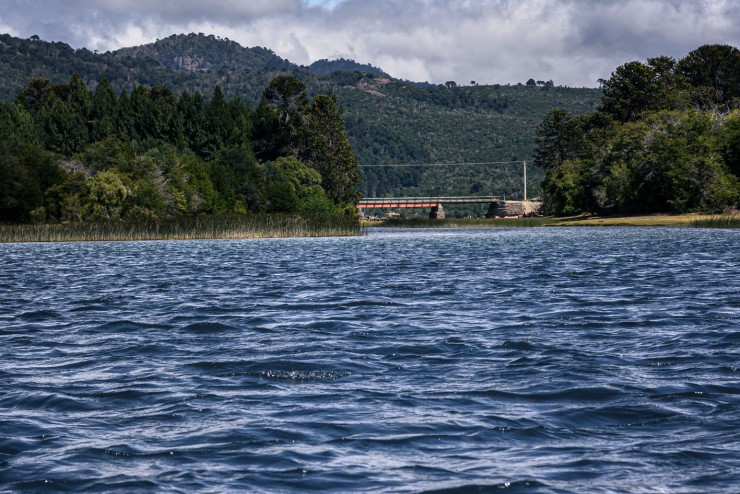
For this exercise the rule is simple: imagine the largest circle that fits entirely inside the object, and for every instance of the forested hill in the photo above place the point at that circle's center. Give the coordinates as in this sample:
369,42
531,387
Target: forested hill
192,62
399,123
388,120
324,67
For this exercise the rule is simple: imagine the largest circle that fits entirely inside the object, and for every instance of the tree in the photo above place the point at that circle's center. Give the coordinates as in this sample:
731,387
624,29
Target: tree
279,118
65,129
125,118
106,154
78,97
103,112
64,201
668,161
731,143
236,174
216,123
715,67
631,91
292,186
17,124
106,195
288,95
569,189
191,110
555,140
34,93
327,150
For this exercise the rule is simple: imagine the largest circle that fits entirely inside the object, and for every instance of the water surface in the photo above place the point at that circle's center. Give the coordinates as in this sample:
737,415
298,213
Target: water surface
534,360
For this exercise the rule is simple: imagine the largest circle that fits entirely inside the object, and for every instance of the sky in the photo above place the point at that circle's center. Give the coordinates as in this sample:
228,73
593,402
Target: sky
571,42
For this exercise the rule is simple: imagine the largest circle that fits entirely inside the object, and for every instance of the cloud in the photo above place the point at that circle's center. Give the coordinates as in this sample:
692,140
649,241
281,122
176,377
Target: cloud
573,42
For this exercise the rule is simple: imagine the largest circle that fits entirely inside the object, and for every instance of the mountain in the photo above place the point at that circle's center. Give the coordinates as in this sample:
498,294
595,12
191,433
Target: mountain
193,62
389,121
207,54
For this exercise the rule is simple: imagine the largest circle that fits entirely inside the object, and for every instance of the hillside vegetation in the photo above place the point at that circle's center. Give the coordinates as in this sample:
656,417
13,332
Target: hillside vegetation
387,120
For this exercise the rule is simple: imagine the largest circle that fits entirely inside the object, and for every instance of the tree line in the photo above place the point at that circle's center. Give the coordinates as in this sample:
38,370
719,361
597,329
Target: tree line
69,154
666,138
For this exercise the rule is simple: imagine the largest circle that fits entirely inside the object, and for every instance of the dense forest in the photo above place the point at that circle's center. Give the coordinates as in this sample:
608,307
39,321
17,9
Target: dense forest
666,138
68,154
388,121
658,136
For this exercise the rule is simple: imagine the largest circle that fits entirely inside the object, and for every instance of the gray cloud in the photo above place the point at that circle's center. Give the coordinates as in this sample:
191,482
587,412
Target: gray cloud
572,42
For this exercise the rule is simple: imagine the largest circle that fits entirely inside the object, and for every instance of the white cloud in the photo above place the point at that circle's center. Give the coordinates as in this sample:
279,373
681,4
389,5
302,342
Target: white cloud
572,42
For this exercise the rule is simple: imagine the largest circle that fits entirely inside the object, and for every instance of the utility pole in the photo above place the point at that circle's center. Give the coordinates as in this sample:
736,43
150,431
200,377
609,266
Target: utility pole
525,180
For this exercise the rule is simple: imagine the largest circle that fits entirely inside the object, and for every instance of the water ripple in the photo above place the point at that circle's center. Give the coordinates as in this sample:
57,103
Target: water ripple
445,361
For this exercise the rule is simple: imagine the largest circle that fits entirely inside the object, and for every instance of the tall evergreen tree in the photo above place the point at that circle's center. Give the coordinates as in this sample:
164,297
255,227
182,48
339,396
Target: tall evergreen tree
125,118
555,141
103,112
64,127
78,97
717,68
192,114
326,149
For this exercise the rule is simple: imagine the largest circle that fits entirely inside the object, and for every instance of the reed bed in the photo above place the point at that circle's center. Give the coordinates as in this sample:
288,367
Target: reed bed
199,228
467,223
722,221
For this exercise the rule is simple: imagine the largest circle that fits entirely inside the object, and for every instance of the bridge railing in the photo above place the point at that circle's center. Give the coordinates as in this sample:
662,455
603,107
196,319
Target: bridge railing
442,199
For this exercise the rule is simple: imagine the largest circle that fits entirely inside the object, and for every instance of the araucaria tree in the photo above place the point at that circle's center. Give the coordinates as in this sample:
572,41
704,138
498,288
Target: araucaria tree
311,130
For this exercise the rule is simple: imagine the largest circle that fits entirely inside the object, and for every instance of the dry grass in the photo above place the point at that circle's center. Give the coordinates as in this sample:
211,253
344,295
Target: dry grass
642,220
232,227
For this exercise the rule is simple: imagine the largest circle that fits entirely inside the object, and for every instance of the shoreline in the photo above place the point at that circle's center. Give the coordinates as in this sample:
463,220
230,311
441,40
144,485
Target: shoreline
266,227
651,220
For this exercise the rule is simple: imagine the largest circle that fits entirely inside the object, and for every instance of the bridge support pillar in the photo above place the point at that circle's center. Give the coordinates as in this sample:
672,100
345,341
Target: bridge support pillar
504,209
495,210
437,213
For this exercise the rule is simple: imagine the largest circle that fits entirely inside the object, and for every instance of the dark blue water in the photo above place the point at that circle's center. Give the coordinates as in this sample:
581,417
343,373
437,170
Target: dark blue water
534,360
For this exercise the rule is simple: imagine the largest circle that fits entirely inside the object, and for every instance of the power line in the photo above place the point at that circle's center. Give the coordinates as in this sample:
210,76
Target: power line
398,165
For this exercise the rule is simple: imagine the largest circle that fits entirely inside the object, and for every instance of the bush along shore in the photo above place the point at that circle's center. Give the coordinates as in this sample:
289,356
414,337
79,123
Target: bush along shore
196,228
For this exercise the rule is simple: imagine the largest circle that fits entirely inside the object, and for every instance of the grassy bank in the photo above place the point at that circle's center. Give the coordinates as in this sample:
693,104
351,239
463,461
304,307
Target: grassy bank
217,227
693,219
633,220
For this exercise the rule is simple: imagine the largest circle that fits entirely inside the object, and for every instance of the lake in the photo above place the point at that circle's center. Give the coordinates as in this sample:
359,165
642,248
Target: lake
544,360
